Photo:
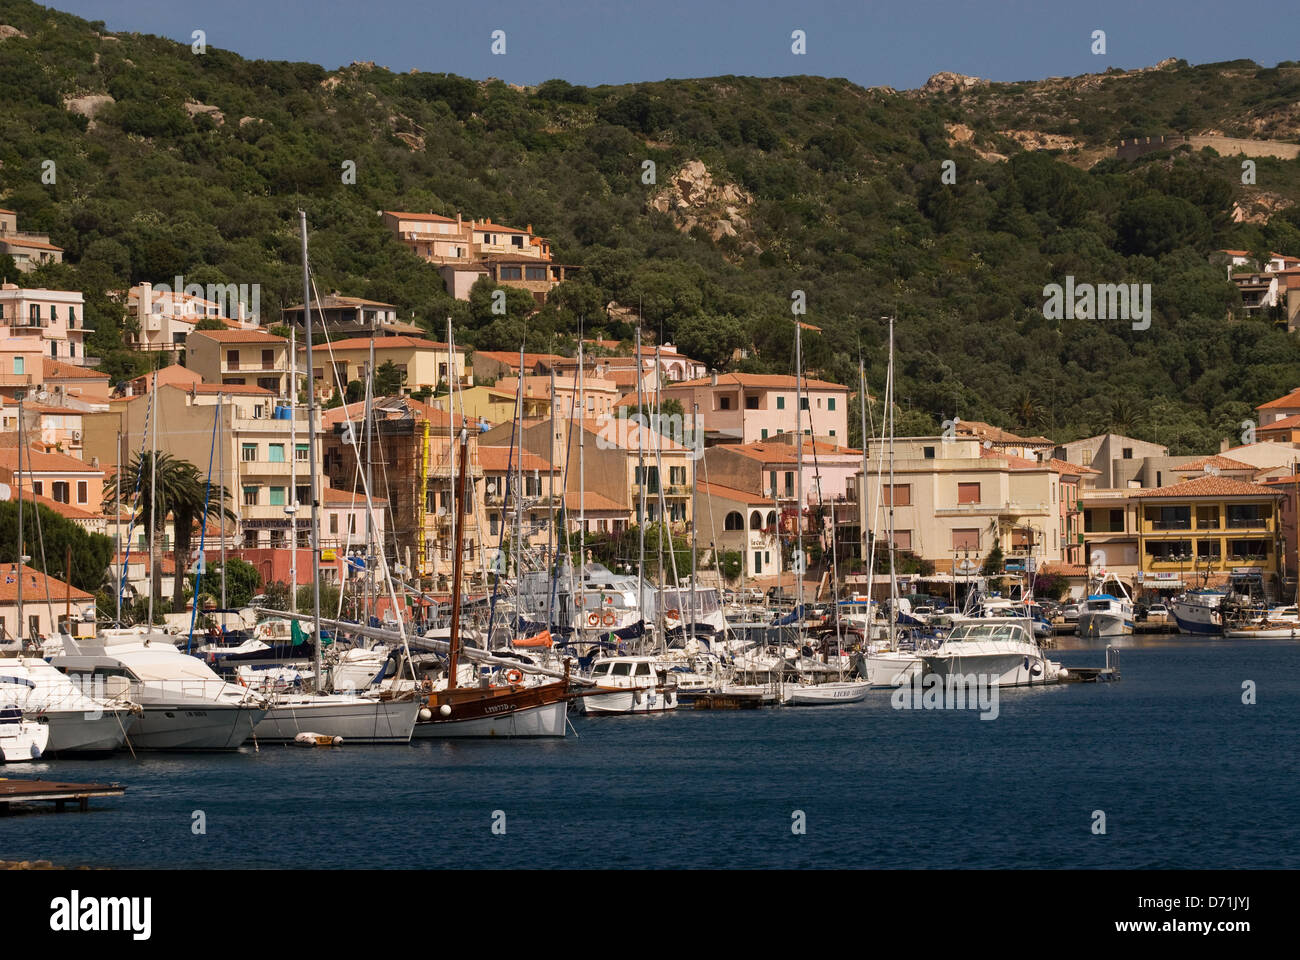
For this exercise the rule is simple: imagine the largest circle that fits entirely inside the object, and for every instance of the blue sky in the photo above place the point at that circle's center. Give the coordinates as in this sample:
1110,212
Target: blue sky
894,43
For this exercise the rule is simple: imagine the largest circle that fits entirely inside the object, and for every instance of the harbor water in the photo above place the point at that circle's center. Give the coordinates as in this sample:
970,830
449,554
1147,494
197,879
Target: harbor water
1185,773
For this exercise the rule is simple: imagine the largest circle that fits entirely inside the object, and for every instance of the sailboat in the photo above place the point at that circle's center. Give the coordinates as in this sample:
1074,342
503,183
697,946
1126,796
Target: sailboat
513,709
365,717
831,691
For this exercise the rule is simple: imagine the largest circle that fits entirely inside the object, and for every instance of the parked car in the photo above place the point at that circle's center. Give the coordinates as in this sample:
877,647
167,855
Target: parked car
1158,613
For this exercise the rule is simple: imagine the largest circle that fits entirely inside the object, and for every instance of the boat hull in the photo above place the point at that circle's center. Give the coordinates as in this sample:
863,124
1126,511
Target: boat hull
630,700
1002,669
193,727
355,720
21,742
1095,624
77,731
823,694
892,669
544,720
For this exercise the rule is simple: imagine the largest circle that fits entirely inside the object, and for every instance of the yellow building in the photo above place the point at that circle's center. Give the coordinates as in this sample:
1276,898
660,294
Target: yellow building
423,363
1211,525
240,358
497,405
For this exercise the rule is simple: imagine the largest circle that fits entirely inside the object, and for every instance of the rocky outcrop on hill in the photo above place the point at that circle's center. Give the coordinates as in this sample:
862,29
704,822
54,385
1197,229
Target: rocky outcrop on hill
693,199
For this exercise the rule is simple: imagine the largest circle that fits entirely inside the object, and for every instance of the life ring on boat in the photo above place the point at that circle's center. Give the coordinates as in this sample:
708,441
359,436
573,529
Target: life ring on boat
593,619
513,675
609,620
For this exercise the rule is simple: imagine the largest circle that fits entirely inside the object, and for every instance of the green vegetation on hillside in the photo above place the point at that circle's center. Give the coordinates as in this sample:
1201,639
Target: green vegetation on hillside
847,206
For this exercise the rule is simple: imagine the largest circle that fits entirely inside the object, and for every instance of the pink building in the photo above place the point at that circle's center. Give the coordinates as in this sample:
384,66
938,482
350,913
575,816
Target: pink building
750,408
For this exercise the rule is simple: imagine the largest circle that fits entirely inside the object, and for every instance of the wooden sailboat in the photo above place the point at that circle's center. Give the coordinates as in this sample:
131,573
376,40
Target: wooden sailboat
510,710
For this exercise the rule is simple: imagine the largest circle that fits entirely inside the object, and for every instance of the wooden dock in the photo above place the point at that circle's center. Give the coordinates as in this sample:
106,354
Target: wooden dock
49,791
728,701
1107,674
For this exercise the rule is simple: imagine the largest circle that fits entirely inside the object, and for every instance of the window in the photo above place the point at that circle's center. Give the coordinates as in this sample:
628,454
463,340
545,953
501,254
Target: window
789,484
1247,549
302,494
733,521
38,487
534,273
724,403
82,491
72,316
18,366
54,314
902,539
334,523
1208,550
1117,521
277,496
511,273
677,475
927,453
968,493
966,539
764,433
248,452
250,539
300,453
275,452
1128,453
780,403
830,403
232,359
268,359
751,403
803,403
59,491
900,496
250,496
492,524
756,521
352,523
277,538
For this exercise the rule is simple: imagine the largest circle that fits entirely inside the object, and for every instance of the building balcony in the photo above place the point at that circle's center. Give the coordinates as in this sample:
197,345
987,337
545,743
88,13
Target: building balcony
1007,509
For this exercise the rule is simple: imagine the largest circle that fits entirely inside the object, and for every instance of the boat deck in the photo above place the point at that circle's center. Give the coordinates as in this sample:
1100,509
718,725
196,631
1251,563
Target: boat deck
60,794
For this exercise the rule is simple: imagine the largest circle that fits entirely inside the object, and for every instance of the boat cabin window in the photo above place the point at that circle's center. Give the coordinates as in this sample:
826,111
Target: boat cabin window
641,670
621,669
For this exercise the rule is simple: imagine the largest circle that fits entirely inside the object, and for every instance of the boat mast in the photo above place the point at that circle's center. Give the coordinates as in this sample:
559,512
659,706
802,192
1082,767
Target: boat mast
117,508
582,466
695,529
153,492
292,508
458,525
311,454
868,555
640,475
519,491
221,469
893,573
22,630
798,479
368,412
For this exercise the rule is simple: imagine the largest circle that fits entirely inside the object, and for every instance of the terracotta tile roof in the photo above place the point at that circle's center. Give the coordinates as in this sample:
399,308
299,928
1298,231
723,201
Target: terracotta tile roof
1286,423
986,431
627,435
15,240
384,343
388,408
497,459
67,510
239,336
58,370
595,502
1292,399
759,381
1218,462
770,452
1064,466
491,227
1207,487
331,496
212,389
432,217
35,585
710,490
37,462
335,300
512,359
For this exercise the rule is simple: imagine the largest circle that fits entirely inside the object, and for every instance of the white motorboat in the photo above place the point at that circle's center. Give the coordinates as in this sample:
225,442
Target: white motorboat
1000,651
891,668
185,705
1105,613
79,722
629,685
21,739
1199,612
355,718
834,691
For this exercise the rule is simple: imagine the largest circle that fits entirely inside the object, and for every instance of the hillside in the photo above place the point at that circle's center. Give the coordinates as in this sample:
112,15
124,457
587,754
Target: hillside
171,163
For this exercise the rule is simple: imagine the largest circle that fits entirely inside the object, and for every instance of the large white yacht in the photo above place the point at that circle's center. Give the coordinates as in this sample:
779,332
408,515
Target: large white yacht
79,721
1002,650
185,705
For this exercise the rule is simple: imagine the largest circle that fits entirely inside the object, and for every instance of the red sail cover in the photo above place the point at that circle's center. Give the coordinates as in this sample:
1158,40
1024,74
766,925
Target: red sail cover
542,639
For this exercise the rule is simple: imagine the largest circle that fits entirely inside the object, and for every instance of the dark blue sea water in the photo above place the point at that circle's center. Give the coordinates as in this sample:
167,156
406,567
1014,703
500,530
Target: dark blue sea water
1187,775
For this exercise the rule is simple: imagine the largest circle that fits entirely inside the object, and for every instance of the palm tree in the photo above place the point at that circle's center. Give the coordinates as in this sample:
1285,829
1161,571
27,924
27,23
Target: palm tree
182,493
